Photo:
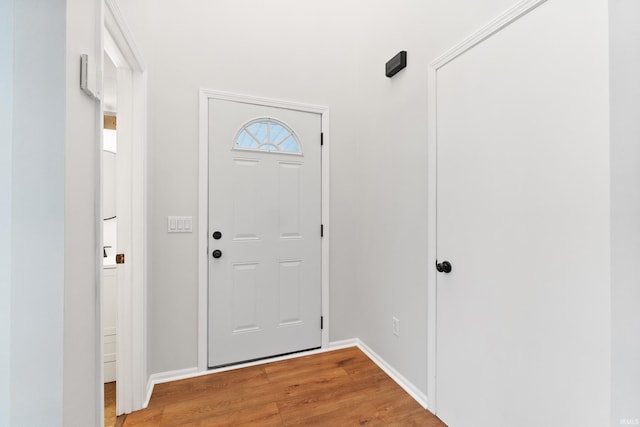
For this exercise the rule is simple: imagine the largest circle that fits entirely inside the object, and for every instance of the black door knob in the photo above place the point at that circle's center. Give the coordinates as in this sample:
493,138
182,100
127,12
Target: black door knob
217,235
217,253
443,267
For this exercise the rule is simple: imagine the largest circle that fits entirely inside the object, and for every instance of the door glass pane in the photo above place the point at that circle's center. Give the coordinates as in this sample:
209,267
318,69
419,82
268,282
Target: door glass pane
244,140
267,135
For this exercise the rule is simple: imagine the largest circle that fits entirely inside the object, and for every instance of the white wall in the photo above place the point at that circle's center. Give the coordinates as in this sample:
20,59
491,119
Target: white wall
283,49
37,203
624,16
392,168
82,248
6,142
47,207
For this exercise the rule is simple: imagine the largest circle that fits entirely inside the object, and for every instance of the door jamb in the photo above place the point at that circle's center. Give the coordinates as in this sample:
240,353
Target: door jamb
203,197
502,21
131,325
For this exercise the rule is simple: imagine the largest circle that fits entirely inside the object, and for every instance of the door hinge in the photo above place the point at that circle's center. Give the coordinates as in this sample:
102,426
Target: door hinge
321,230
321,322
321,138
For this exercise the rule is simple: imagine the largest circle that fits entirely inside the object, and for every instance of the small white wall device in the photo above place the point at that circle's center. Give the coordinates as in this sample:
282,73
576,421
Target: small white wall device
85,85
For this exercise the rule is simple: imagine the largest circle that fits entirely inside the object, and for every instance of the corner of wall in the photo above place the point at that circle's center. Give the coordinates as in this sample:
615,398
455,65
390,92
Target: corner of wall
400,379
624,35
6,143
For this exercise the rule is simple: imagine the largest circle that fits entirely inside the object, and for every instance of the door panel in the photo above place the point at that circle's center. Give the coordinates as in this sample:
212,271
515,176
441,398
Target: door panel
245,198
289,182
522,217
290,283
265,289
245,297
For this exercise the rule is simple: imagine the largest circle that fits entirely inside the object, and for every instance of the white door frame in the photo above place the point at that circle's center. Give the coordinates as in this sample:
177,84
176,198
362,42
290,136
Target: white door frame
131,324
502,21
203,207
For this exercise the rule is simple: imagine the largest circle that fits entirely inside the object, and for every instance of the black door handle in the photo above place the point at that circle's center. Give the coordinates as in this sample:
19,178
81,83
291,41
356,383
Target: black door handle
443,267
217,253
217,235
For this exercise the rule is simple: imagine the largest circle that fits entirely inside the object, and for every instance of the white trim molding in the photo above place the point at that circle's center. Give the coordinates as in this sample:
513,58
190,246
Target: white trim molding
117,27
508,17
505,19
118,43
203,214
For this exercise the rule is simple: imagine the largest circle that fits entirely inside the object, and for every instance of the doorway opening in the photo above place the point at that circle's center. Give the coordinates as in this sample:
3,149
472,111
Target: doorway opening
122,186
109,241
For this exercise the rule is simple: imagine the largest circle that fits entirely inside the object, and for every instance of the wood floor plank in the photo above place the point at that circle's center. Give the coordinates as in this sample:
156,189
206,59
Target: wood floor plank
259,415
208,385
299,366
383,408
354,402
224,402
318,382
150,417
110,404
338,388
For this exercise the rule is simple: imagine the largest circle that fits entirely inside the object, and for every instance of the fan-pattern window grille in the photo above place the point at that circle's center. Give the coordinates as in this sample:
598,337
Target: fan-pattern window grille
266,134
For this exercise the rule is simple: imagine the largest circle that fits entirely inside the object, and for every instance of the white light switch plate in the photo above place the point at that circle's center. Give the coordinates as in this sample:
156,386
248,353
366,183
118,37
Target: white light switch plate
179,224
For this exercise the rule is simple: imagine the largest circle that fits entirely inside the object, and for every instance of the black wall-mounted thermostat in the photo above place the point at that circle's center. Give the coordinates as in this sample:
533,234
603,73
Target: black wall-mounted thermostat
396,64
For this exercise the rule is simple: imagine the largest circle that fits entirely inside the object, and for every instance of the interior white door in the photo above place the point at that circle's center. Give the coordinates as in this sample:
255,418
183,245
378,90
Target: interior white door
522,218
265,203
109,315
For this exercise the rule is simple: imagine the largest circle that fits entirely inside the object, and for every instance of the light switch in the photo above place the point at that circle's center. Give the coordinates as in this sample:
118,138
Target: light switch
179,224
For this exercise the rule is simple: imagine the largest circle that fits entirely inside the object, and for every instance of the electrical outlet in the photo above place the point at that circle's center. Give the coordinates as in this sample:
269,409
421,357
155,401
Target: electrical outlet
396,326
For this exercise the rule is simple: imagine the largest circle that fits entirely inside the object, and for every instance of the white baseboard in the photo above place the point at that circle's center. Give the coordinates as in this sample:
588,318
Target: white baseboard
407,385
147,398
337,345
165,377
182,374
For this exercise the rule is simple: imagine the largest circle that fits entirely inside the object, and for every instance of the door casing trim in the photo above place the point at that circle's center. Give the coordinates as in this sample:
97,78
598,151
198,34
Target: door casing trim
203,206
499,23
117,41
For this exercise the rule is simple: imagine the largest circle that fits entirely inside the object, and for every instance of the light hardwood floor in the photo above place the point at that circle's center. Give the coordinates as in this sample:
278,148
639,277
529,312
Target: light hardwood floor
338,388
110,404
110,419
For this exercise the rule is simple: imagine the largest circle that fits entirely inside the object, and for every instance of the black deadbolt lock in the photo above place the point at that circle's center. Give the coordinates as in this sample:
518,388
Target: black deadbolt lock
217,235
217,253
444,267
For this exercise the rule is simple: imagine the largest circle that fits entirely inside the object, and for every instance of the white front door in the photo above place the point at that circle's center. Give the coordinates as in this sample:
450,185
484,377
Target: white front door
264,231
522,218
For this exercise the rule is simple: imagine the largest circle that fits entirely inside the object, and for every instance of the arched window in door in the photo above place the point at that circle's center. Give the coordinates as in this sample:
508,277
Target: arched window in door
267,134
